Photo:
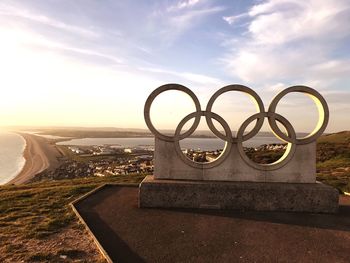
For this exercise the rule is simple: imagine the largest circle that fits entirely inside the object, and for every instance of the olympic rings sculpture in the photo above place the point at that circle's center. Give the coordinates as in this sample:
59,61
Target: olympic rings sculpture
290,138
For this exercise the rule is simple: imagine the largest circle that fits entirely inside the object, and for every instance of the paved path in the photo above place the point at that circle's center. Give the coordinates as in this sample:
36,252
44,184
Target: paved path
130,234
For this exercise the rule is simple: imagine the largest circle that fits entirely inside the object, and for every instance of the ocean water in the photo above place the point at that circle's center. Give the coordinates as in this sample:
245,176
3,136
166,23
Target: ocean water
53,137
194,143
11,155
12,146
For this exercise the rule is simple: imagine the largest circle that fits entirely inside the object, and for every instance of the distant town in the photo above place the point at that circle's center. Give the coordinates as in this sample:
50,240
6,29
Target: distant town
107,160
100,160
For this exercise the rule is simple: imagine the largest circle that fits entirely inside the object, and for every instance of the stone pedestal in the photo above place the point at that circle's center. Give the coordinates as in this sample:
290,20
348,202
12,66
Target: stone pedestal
298,197
301,168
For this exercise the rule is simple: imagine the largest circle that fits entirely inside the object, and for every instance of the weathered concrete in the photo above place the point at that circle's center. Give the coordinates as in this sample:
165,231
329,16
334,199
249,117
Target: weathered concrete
299,197
298,164
233,181
301,168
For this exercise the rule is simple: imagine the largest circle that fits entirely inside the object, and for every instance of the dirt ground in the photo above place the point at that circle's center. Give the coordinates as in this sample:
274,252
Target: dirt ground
73,244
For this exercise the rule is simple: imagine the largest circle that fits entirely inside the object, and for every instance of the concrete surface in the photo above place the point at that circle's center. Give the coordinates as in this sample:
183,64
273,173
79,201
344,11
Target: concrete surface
298,164
131,234
301,168
315,197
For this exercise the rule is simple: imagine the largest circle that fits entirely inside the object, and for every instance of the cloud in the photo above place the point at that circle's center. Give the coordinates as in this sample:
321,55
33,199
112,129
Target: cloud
172,22
21,12
197,79
185,21
19,37
278,22
233,19
291,40
183,4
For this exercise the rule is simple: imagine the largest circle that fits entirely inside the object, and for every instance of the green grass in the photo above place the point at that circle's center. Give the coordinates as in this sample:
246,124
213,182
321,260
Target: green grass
85,159
334,163
340,182
69,154
38,210
333,166
339,137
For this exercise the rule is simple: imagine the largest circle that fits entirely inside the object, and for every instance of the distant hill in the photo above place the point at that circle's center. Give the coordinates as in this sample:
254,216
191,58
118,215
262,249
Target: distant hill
115,132
73,128
339,137
110,132
333,160
77,133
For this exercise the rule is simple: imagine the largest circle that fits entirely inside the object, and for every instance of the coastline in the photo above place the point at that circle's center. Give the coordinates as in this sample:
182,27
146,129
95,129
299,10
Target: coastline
39,155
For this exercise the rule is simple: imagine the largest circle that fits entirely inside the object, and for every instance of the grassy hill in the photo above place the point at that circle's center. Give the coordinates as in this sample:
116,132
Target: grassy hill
339,137
333,160
38,225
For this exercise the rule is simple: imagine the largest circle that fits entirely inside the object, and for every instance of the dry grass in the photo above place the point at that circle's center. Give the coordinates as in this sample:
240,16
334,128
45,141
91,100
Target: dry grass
34,213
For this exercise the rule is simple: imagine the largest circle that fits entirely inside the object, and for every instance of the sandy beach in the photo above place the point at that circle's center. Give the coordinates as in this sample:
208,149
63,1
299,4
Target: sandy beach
39,155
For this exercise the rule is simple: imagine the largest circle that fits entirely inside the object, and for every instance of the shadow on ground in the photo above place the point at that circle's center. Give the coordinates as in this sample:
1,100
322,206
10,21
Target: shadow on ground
130,234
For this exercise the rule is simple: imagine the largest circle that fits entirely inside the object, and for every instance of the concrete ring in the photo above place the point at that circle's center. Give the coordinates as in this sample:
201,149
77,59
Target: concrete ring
228,141
288,154
322,108
150,100
253,95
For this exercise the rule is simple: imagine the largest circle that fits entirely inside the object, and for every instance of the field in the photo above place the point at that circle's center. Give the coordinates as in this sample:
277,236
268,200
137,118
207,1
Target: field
37,223
333,160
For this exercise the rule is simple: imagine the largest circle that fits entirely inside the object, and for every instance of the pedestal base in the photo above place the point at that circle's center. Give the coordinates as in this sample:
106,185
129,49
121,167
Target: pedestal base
299,197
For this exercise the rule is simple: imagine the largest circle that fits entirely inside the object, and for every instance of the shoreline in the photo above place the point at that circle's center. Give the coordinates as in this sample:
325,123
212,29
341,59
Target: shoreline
39,155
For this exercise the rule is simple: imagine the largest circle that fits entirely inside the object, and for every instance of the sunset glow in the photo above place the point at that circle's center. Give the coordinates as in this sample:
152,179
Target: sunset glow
78,63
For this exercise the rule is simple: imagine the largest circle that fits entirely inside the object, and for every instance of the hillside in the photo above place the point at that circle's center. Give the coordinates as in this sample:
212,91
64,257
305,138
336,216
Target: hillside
339,137
38,225
333,160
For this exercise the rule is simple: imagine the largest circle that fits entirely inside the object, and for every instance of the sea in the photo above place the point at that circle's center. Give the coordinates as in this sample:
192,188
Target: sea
193,143
11,155
12,146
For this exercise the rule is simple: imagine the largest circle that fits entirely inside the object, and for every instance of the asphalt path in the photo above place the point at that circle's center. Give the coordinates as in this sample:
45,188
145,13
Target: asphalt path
131,234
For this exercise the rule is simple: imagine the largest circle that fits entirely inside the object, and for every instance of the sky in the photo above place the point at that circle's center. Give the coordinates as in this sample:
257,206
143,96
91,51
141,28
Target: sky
94,63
